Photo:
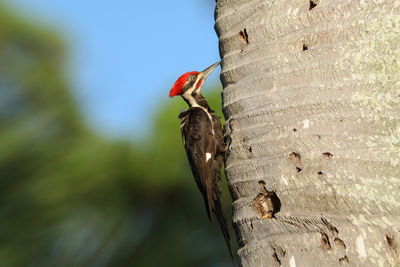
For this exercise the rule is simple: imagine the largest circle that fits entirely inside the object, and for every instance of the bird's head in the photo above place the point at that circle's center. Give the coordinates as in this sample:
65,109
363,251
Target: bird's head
189,84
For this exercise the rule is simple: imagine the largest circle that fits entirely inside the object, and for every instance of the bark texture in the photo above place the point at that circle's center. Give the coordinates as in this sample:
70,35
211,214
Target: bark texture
312,102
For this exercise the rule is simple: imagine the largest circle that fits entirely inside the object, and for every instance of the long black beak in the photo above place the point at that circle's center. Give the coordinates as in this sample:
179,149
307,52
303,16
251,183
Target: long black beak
209,70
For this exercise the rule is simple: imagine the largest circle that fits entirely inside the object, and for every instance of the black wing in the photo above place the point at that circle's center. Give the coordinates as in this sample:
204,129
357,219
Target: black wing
198,140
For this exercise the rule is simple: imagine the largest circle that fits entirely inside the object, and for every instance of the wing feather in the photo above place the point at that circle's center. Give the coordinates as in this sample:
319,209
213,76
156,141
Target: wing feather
199,144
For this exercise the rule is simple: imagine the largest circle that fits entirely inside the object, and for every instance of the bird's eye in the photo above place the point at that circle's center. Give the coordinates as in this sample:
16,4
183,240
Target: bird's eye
193,78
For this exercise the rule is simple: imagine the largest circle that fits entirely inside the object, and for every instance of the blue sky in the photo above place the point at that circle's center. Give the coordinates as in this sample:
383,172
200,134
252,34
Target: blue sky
125,55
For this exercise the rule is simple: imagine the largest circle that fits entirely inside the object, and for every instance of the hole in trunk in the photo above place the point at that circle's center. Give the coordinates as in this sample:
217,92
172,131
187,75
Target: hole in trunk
327,155
305,47
266,204
313,3
298,169
243,35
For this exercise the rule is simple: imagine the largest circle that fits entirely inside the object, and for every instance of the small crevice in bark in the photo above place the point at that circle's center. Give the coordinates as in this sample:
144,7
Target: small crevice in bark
250,224
330,227
298,169
325,244
294,130
281,251
339,243
391,242
320,173
294,157
266,204
305,47
243,35
276,258
278,251
344,260
319,137
327,155
313,3
249,149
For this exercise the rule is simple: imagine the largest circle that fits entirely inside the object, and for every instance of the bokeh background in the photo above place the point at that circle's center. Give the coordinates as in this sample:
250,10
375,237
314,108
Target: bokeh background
92,168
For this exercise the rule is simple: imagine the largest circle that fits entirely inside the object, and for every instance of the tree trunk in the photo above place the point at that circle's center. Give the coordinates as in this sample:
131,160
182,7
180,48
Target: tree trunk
312,100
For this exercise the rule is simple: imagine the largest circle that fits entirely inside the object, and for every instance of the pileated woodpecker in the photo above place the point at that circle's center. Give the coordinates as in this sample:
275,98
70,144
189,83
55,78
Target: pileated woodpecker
204,143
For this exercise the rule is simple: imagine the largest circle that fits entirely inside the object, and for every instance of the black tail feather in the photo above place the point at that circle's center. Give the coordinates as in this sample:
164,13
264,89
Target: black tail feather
219,213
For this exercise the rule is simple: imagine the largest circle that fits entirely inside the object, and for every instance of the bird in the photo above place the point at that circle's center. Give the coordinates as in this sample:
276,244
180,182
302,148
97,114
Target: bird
204,143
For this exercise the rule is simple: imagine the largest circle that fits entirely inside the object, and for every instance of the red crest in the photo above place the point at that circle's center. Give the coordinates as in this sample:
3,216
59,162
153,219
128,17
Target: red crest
178,85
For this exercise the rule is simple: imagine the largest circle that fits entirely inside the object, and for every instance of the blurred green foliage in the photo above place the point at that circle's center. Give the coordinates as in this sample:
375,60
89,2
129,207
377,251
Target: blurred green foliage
71,197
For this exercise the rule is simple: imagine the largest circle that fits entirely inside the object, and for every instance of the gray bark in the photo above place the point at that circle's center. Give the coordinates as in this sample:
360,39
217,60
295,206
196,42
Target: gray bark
312,99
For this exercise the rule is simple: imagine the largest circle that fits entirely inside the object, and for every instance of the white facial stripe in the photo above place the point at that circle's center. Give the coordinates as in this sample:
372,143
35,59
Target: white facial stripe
188,95
208,156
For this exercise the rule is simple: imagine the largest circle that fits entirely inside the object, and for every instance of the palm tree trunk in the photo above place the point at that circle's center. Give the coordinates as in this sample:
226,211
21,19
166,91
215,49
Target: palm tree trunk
312,102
